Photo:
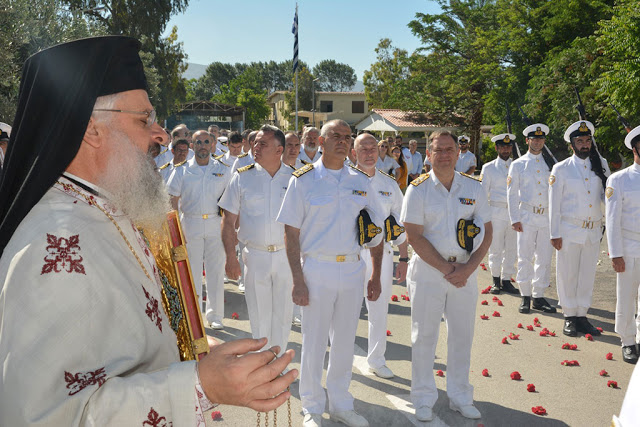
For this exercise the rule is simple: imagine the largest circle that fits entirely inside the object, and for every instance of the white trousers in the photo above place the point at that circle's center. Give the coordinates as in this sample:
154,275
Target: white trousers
575,274
502,252
335,300
534,260
431,297
206,249
628,302
378,309
268,284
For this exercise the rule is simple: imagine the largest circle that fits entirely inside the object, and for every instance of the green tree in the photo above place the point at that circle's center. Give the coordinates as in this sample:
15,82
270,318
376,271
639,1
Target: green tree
247,91
386,75
334,76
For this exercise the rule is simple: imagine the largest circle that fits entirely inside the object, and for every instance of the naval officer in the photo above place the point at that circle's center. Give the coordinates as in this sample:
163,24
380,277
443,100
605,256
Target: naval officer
323,205
623,237
528,202
502,253
446,215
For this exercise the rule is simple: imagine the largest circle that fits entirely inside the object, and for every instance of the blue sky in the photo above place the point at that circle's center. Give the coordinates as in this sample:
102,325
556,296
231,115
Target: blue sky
347,31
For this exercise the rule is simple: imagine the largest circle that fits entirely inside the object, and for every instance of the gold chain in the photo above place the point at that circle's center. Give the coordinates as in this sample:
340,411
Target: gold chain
275,415
93,203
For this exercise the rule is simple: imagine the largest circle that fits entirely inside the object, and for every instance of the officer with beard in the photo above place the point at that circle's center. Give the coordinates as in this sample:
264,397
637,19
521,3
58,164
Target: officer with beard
576,193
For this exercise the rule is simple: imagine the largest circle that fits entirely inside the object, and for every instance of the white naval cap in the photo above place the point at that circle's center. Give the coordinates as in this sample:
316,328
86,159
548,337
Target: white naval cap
632,137
579,128
536,130
463,139
5,129
222,139
503,138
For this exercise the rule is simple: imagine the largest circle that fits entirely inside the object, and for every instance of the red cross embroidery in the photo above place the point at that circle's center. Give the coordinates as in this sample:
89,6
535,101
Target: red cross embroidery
81,380
155,420
62,255
152,309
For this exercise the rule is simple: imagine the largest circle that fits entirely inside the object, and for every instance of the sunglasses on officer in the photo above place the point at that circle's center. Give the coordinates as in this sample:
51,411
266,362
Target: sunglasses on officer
205,142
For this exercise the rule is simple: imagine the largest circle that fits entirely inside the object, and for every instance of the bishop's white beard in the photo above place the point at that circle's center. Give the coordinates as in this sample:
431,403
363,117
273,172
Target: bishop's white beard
134,185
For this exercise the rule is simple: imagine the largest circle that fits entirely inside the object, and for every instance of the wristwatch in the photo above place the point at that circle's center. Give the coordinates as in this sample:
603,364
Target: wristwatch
403,259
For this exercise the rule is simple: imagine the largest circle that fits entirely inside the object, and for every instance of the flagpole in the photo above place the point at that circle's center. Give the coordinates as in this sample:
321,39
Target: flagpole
296,101
295,59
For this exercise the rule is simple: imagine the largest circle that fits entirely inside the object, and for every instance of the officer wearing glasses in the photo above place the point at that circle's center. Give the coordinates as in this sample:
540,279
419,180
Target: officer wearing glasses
198,186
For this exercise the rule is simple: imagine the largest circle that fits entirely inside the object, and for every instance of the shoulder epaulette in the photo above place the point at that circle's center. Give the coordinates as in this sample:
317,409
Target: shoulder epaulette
386,174
217,157
166,165
165,150
360,170
246,168
419,180
223,163
301,171
471,176
304,162
243,155
180,164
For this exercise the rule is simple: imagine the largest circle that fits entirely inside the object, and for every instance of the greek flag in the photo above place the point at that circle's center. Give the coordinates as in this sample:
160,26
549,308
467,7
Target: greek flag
294,30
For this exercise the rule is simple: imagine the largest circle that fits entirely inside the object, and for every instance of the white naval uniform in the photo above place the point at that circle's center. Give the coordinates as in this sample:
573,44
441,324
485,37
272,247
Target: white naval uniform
575,215
428,203
199,188
388,193
167,169
166,155
465,161
623,236
305,158
243,160
256,197
229,159
528,201
388,165
502,253
324,204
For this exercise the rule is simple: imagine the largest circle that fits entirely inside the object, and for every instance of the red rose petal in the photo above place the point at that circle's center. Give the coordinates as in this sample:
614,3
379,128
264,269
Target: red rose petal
529,328
599,328
216,415
539,410
394,297
513,336
515,375
235,315
486,290
531,388
388,333
505,340
494,299
589,337
603,373
574,346
485,372
496,314
553,334
485,302
520,325
484,267
500,303
536,320
484,317
440,373
612,384
609,356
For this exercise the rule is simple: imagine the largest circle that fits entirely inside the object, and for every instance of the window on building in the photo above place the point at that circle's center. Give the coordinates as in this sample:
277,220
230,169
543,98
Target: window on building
326,106
357,107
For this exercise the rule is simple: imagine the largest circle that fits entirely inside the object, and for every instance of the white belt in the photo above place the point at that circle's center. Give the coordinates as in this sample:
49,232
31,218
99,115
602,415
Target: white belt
498,204
538,210
630,234
582,223
267,248
203,216
338,258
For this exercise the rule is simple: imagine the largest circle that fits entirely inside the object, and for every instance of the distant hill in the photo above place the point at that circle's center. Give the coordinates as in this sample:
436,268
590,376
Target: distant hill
195,71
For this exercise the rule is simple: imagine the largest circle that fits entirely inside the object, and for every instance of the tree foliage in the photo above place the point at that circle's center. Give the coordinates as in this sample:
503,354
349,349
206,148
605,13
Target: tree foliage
246,90
334,76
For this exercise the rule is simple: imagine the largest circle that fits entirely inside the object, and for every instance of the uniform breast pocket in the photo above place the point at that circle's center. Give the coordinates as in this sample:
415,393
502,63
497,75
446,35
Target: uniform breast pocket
322,208
435,215
254,204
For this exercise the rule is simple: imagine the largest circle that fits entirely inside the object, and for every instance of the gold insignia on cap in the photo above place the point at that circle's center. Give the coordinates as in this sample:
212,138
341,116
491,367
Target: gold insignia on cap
609,192
506,138
583,127
538,131
509,180
552,179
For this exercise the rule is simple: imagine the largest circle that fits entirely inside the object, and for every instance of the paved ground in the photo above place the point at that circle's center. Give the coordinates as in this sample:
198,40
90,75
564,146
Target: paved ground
575,396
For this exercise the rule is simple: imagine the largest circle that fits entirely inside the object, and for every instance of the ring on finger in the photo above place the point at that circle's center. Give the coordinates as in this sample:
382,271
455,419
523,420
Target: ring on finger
274,353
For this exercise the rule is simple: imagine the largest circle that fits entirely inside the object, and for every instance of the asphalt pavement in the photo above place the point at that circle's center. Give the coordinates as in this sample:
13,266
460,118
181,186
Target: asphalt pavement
571,395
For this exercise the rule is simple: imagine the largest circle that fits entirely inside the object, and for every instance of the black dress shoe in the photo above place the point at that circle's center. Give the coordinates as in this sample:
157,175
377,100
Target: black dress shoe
630,354
570,326
542,305
583,325
525,305
509,288
497,286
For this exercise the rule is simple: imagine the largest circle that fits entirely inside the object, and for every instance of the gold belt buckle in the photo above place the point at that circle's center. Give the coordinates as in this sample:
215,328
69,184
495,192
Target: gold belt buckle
587,224
452,259
341,258
205,216
538,210
271,248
